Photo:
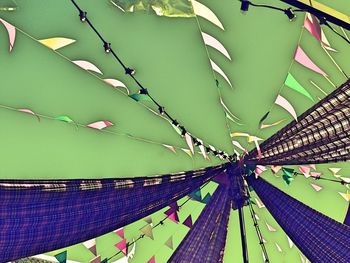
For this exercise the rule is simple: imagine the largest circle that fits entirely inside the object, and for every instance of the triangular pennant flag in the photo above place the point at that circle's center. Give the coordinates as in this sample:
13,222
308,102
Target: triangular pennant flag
148,220
315,174
91,245
56,42
288,175
259,203
292,83
174,206
188,222
259,169
316,187
285,104
301,57
279,249
187,151
61,257
169,243
147,231
196,195
189,142
206,198
122,246
152,260
290,242
97,259
171,148
335,171
140,97
346,196
120,232
312,25
270,228
305,170
275,169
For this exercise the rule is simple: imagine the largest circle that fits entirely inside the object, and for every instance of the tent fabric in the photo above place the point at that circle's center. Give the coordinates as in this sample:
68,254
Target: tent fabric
347,217
206,240
321,134
39,216
319,238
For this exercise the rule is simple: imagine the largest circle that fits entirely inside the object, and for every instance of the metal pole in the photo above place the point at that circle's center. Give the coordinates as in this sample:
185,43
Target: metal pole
243,235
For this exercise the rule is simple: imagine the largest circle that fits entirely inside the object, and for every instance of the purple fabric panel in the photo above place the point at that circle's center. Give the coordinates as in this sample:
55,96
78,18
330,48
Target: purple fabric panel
206,240
347,217
319,238
41,216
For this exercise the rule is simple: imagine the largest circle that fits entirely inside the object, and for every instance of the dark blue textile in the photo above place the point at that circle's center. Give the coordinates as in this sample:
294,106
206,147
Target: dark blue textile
319,238
41,216
205,242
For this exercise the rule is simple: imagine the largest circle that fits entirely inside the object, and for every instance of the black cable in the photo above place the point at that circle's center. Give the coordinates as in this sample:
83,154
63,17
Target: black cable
130,72
323,21
257,229
323,178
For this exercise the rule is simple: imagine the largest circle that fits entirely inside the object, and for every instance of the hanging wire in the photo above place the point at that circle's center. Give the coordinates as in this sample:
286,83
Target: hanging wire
257,229
131,73
342,182
323,21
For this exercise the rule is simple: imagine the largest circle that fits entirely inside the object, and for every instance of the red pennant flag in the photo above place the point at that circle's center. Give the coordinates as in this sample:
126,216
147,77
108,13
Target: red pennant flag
122,246
120,232
152,260
188,222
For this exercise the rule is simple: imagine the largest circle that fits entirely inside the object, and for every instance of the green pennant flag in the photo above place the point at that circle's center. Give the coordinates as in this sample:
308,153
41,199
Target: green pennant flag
196,195
140,97
288,175
62,257
64,118
206,199
169,243
292,83
147,231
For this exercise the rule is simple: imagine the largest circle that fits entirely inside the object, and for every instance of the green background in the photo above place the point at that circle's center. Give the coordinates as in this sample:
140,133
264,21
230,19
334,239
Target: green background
171,61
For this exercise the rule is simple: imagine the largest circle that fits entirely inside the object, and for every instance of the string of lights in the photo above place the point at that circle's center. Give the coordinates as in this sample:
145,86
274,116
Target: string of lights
258,232
160,223
290,13
131,73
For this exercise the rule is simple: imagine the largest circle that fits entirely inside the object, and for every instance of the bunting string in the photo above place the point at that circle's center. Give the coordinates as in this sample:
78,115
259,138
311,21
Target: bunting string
143,91
197,142
160,223
95,125
214,76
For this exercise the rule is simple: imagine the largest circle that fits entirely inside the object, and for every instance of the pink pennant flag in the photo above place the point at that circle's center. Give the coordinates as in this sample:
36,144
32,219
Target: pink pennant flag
313,166
120,232
87,66
91,245
316,187
99,125
188,222
301,57
315,174
152,260
312,25
305,170
285,104
259,169
122,246
29,112
96,260
174,206
189,142
11,31
172,215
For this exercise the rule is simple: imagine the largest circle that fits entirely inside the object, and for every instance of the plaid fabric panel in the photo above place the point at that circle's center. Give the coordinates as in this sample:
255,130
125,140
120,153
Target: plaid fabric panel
319,238
321,131
206,240
41,216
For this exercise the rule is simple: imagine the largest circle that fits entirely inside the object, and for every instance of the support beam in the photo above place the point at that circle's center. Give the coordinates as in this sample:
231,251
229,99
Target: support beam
243,235
321,10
